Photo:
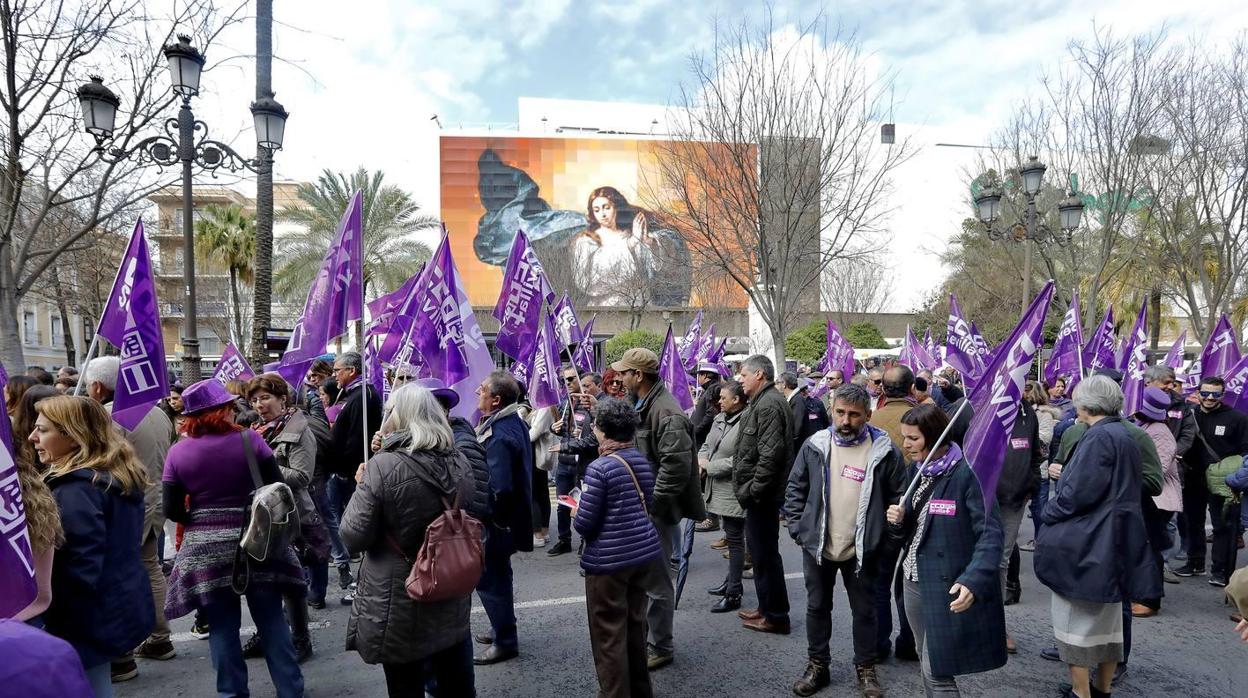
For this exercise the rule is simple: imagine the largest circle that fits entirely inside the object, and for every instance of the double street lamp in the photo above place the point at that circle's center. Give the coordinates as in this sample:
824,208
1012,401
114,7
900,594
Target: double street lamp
185,140
1031,228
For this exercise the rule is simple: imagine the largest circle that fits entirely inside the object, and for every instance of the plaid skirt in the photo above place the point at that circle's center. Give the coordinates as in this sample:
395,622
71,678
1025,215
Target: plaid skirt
203,570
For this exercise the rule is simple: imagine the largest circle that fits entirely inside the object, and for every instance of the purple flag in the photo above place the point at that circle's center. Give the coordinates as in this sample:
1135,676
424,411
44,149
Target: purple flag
546,385
293,374
995,399
838,357
914,355
233,366
522,369
335,297
1099,351
703,349
1221,352
437,331
519,307
962,350
6,429
583,357
385,310
567,326
17,562
687,343
1066,359
1136,350
672,370
476,355
981,345
1174,357
131,321
1236,379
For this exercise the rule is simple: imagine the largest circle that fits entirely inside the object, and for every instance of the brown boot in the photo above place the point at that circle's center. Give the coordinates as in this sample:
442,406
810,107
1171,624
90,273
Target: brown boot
868,682
815,678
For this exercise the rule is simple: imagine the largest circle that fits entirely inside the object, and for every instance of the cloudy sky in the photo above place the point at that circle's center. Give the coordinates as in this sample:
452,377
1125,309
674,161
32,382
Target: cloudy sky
363,79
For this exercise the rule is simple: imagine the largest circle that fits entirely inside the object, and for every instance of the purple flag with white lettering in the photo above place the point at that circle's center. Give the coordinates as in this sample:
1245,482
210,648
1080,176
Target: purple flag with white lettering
519,307
437,330
384,311
131,320
1221,352
1174,357
995,399
6,430
335,297
705,345
981,345
567,326
686,344
546,385
17,562
1135,347
672,370
1066,359
839,356
583,357
1099,352
962,351
1236,380
232,366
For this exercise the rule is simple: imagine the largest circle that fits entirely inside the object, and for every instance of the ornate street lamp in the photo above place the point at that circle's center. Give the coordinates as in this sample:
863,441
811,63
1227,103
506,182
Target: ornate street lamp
1031,228
179,144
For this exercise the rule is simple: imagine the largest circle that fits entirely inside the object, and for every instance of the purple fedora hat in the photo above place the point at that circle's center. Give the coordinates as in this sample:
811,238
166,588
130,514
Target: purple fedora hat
204,395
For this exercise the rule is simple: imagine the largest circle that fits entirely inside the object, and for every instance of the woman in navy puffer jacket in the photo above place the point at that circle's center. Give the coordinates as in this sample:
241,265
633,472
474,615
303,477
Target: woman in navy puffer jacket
621,551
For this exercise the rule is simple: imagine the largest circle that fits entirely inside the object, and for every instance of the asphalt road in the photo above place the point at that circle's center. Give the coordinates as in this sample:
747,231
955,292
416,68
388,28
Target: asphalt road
1187,650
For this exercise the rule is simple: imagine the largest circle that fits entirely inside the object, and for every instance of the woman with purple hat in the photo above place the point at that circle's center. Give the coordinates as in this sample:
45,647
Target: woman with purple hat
1151,416
210,466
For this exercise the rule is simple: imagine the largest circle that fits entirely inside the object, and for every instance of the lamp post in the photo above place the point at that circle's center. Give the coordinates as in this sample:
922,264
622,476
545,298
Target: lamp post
1031,228
184,141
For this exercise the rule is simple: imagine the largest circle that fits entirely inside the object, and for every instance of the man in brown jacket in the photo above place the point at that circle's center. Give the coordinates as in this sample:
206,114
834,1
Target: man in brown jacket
665,438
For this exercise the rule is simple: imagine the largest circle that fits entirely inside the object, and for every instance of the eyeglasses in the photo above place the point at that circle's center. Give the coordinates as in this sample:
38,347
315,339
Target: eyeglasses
403,379
569,379
616,384
1212,394
877,381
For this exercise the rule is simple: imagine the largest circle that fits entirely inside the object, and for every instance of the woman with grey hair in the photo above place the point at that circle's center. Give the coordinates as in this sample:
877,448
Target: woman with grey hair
1092,551
401,491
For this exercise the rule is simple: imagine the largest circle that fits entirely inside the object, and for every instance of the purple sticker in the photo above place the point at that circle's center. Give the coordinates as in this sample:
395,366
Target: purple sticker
849,472
942,507
1020,444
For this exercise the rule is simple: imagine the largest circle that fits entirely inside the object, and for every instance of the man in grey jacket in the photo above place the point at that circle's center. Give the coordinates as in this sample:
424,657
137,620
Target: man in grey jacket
665,438
760,468
842,483
151,439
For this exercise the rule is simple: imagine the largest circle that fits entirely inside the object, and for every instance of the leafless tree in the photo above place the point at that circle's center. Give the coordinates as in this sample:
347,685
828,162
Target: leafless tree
775,167
855,286
46,163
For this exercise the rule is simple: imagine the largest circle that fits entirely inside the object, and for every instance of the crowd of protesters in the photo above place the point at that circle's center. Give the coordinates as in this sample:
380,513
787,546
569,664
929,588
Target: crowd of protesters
870,482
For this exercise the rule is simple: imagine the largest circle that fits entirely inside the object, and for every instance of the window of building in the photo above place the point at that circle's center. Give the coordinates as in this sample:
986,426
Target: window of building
57,330
30,328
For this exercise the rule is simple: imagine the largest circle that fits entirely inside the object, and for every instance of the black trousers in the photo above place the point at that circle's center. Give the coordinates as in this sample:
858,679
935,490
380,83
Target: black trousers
888,592
541,500
762,535
1224,552
1156,523
451,669
859,587
1195,501
734,532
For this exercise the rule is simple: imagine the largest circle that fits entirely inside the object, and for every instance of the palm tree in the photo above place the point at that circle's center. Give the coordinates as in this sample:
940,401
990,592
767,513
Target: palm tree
390,216
227,235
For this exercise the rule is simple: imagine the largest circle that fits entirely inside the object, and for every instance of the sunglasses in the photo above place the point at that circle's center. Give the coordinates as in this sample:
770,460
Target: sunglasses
569,379
878,381
1211,393
616,383
403,379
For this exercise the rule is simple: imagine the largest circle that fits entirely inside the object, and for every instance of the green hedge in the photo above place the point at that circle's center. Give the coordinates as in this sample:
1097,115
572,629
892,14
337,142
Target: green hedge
615,347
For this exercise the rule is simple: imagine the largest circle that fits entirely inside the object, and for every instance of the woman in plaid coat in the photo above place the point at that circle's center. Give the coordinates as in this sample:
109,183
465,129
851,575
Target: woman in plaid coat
952,550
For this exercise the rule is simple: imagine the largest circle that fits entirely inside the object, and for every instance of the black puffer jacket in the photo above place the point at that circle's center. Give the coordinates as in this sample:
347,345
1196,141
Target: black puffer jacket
1020,472
760,467
468,446
665,438
400,495
704,412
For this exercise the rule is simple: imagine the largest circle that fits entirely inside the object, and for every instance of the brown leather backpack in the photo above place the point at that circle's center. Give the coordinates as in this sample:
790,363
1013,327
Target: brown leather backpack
450,560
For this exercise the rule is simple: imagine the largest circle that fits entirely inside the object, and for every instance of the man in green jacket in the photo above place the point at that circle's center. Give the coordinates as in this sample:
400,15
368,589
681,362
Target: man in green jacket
760,470
665,438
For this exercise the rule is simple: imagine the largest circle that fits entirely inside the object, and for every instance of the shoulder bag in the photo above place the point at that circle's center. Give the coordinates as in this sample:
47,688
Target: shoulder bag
452,556
1215,475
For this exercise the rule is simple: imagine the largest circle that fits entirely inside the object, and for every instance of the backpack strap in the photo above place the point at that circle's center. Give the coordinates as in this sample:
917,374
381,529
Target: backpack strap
636,484
251,460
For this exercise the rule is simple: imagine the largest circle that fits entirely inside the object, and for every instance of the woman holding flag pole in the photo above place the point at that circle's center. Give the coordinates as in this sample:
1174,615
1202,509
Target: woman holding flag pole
951,553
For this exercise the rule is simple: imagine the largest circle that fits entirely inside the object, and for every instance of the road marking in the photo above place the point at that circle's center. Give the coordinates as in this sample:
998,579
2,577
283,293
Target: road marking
542,603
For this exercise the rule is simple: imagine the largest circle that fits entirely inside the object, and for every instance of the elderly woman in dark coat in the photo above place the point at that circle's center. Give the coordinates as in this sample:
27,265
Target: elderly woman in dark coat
400,493
621,551
950,559
1093,550
715,459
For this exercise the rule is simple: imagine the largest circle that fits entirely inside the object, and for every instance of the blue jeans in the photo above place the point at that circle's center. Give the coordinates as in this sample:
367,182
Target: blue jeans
338,491
100,677
495,588
565,482
224,618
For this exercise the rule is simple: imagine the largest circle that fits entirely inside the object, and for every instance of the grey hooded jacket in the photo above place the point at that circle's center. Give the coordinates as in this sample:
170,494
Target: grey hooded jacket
805,498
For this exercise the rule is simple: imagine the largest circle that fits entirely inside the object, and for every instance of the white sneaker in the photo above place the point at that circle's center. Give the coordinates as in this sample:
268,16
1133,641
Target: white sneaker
539,542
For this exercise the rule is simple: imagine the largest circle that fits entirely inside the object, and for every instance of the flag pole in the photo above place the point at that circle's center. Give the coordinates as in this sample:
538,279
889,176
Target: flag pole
82,378
940,441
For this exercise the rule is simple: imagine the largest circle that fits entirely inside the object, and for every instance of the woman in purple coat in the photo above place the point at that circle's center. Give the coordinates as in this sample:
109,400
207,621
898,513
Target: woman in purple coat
621,551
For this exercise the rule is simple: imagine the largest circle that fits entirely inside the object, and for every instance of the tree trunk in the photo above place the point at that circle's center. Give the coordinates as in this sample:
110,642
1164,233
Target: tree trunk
777,345
67,330
262,305
1154,330
10,337
238,306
